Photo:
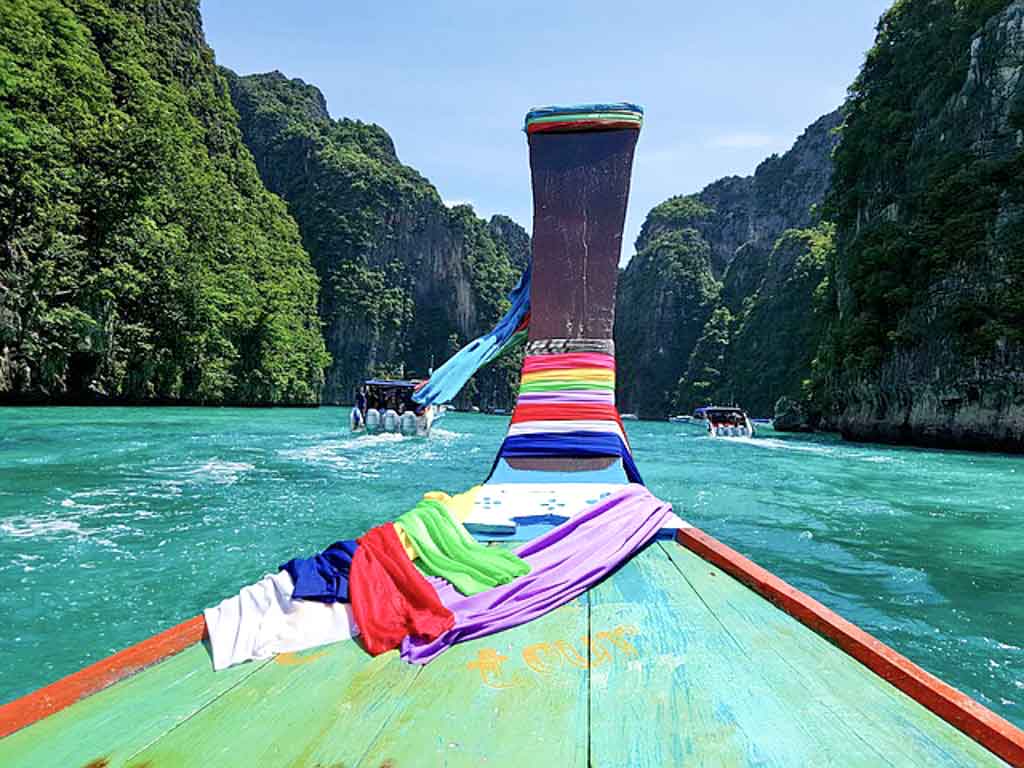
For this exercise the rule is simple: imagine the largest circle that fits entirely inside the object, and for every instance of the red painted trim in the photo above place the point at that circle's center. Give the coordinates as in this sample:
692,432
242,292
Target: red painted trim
35,706
956,708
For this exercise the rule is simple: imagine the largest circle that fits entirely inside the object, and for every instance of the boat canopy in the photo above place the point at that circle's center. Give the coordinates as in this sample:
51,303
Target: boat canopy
708,411
392,383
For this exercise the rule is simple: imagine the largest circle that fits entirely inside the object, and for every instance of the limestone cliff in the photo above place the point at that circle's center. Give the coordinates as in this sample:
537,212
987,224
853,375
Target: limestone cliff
405,280
926,287
704,263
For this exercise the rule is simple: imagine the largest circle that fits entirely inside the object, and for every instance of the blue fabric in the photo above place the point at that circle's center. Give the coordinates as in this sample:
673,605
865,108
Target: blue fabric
446,381
577,109
574,444
323,577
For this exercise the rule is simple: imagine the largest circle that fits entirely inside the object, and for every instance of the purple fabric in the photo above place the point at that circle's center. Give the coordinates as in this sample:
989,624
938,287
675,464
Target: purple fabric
567,396
564,562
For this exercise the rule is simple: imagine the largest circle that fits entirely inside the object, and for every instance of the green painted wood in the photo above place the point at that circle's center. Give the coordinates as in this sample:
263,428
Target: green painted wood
837,691
320,707
518,698
117,722
693,696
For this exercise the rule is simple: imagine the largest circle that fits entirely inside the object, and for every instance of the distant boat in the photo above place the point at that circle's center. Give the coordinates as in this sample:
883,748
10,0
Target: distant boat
389,407
629,417
725,421
680,419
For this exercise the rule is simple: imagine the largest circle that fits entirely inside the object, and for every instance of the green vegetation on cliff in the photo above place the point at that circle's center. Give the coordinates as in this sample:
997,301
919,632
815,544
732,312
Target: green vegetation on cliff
405,280
718,304
665,296
766,350
927,284
914,198
141,258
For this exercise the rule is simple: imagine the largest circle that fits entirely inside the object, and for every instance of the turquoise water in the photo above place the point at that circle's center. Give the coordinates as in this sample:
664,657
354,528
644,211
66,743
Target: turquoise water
116,523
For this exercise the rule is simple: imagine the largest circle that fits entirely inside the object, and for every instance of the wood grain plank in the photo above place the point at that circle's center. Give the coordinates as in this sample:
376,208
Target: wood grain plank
518,698
64,692
295,709
843,696
692,695
953,706
122,719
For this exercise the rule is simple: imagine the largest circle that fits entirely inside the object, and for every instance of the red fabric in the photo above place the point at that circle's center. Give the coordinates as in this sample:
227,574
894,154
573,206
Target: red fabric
390,598
568,360
564,412
581,125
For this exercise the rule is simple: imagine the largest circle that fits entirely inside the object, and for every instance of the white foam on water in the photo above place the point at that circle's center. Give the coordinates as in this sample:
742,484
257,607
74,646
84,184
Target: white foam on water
774,444
29,528
221,472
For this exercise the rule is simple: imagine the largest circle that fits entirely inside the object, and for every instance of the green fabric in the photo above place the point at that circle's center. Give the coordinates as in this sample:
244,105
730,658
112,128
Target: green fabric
588,116
447,549
554,386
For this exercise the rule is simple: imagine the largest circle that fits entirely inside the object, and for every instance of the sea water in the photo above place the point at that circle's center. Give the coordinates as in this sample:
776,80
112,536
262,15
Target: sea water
116,523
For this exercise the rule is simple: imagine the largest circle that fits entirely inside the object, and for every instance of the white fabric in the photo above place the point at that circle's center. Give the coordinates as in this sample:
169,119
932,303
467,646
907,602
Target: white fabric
263,620
559,427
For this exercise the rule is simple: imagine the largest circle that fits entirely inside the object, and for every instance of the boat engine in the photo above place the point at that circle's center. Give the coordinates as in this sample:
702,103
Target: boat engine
408,424
373,420
390,420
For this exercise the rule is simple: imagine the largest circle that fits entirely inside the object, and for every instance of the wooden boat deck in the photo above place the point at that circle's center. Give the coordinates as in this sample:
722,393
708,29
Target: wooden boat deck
669,662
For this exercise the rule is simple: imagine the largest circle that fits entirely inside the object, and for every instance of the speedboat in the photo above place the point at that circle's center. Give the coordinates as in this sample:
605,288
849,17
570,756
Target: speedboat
389,407
727,421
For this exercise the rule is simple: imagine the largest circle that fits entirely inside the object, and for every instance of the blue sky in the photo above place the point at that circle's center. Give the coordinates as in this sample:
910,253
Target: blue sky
723,85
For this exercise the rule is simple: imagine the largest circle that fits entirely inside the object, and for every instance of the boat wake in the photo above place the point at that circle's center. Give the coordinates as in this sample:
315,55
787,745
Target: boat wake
774,444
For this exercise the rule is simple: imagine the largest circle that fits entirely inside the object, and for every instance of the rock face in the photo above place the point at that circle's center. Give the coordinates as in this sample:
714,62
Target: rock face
926,297
405,280
790,416
703,264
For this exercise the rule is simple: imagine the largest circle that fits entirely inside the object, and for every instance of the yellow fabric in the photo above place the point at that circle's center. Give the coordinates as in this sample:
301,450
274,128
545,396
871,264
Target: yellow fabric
459,506
407,545
574,374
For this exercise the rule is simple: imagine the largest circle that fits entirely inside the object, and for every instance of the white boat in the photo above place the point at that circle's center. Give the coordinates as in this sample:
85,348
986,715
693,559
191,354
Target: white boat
725,421
387,406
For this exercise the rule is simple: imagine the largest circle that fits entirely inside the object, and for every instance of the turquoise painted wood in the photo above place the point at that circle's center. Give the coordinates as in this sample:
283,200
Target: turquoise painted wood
851,709
515,698
116,723
694,696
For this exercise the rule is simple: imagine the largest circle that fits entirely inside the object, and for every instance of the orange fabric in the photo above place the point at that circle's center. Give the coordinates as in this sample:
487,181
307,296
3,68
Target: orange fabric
390,598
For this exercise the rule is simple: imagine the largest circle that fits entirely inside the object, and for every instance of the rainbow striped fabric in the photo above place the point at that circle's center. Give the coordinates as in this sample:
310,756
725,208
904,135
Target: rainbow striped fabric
566,408
584,117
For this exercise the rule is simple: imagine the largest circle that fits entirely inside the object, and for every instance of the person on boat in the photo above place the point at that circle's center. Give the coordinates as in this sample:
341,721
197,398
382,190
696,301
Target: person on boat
361,400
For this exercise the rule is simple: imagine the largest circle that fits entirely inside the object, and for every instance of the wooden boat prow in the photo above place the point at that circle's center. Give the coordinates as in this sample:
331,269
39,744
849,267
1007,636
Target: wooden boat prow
688,654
